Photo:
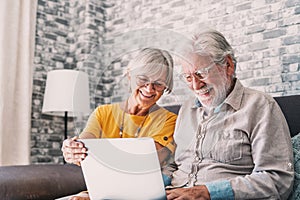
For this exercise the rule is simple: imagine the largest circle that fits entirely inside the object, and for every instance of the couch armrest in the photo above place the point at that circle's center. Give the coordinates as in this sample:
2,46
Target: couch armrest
40,181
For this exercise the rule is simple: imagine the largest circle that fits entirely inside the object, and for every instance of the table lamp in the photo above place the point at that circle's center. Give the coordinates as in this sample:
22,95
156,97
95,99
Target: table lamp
66,93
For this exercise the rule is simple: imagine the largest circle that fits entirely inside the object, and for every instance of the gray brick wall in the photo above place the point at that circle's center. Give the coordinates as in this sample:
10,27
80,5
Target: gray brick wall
264,34
68,36
100,36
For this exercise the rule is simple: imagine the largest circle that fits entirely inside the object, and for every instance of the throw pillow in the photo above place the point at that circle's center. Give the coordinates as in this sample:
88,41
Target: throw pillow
296,149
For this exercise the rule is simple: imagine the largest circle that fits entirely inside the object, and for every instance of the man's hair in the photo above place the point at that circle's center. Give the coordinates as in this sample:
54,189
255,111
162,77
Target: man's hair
212,43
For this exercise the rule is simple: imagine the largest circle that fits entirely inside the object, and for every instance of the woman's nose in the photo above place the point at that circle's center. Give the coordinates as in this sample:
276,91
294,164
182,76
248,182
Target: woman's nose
149,86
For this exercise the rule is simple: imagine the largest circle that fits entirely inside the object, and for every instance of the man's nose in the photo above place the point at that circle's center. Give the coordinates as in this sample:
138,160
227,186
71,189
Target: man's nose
197,84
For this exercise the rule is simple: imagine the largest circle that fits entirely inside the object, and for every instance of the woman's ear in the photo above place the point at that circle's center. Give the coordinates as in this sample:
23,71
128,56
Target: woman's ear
229,66
129,81
128,76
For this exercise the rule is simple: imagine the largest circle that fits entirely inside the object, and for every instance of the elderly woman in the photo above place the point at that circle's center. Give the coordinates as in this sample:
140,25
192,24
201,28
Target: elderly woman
150,75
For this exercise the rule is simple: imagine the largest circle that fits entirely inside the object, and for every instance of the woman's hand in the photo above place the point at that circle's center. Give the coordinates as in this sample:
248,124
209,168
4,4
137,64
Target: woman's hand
80,196
73,151
197,192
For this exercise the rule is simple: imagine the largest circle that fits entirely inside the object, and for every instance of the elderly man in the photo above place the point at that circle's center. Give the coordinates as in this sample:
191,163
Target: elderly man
232,142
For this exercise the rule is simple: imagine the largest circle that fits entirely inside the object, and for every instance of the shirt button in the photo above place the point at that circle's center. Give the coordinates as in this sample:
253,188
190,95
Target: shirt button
199,136
191,175
290,165
165,138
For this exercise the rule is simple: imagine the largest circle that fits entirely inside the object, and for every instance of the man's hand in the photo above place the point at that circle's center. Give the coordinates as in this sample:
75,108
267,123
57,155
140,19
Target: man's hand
73,151
197,192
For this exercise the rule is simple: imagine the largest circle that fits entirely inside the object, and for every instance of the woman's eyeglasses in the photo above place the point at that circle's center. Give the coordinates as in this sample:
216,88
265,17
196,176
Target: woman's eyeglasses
200,74
142,80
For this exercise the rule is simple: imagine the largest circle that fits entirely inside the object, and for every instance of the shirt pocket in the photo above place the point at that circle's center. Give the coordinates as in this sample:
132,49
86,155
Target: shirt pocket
228,146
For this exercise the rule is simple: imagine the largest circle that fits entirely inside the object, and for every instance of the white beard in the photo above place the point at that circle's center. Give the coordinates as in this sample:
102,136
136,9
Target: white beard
220,90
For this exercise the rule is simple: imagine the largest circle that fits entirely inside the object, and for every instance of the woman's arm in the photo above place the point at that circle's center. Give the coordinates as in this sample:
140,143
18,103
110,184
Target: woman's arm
163,153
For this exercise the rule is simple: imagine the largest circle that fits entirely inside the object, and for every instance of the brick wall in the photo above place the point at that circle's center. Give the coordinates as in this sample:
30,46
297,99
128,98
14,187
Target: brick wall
264,34
68,36
100,36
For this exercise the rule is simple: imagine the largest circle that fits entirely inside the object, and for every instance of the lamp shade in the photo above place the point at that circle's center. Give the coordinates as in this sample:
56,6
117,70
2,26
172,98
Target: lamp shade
66,91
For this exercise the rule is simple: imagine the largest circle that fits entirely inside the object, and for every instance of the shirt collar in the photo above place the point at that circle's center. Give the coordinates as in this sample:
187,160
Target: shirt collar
197,103
234,99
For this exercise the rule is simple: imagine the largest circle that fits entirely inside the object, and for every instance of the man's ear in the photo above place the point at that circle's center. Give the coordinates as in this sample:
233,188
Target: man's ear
230,66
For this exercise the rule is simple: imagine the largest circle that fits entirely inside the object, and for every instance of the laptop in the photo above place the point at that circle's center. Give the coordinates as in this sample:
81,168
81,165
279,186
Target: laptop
123,169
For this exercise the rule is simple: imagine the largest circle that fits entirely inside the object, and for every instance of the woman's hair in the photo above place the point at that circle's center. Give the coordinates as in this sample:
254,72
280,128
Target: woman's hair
153,62
212,43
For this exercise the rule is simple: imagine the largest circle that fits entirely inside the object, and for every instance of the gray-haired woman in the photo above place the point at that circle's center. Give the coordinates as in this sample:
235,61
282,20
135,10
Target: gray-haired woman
150,74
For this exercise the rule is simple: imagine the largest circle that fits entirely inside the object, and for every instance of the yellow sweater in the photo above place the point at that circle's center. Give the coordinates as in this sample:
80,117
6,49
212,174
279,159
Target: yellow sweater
106,120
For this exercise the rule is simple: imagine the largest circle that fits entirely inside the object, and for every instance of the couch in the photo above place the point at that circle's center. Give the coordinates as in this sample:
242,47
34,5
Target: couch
50,181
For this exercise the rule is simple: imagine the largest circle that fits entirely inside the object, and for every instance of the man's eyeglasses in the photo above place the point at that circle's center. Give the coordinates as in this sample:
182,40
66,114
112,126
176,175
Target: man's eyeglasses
200,74
142,80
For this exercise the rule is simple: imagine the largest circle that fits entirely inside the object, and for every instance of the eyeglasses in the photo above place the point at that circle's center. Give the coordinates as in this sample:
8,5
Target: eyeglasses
142,80
200,74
